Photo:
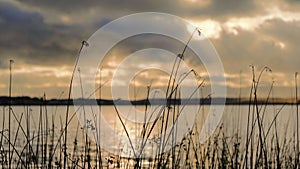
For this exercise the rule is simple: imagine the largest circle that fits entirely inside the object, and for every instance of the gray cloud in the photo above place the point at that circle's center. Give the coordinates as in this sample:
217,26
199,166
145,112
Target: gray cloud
26,38
261,47
92,9
49,33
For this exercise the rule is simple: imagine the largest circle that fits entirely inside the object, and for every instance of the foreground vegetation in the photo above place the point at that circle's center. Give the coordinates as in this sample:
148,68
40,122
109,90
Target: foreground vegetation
52,146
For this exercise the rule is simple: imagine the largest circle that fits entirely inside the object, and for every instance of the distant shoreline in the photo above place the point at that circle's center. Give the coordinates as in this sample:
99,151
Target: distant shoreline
4,100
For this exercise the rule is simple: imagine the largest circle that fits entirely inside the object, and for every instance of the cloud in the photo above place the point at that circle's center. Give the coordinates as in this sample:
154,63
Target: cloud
10,13
254,23
26,38
273,43
76,11
47,34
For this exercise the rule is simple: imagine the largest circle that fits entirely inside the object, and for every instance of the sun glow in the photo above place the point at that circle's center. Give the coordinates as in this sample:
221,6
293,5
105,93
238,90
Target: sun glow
210,28
253,23
199,2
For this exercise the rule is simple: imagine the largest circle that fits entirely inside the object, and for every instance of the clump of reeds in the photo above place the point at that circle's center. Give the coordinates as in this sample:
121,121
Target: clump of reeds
46,145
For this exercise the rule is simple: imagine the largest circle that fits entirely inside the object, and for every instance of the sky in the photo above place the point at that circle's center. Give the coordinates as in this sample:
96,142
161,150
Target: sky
43,39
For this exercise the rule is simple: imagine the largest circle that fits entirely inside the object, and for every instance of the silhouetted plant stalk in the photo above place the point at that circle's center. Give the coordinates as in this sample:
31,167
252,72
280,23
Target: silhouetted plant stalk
248,124
83,43
59,143
10,154
259,120
277,148
255,84
99,153
126,131
85,127
169,95
297,121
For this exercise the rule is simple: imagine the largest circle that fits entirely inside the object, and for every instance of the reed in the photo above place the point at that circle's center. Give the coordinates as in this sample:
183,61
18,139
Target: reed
297,122
83,43
9,113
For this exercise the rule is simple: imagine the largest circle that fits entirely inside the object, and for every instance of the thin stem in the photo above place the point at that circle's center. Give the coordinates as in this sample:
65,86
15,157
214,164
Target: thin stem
9,113
297,122
83,43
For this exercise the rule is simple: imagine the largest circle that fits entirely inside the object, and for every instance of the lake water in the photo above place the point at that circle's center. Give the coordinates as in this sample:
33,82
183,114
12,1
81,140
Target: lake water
40,125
